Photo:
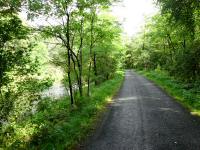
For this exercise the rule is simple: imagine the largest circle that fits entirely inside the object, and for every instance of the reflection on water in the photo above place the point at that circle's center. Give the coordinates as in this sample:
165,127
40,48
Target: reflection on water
56,91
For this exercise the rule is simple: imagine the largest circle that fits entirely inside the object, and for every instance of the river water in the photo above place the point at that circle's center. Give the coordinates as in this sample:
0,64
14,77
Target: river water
56,91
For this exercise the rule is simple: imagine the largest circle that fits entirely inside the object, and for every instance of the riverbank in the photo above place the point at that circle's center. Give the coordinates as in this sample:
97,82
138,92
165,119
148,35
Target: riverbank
56,125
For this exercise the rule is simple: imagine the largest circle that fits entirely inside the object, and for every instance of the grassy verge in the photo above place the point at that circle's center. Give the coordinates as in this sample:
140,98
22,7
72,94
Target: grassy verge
56,126
190,98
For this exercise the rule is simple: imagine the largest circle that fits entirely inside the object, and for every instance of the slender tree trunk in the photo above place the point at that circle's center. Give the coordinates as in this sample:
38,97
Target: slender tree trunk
184,43
170,42
69,78
164,47
95,68
171,57
69,60
80,80
88,80
1,94
143,45
80,60
76,73
171,45
90,60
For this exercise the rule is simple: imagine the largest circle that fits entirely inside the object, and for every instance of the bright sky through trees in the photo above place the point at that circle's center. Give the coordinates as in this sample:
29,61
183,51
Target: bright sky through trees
131,14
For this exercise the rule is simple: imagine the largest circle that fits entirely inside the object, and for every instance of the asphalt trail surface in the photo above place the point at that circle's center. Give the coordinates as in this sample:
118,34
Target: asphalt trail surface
143,117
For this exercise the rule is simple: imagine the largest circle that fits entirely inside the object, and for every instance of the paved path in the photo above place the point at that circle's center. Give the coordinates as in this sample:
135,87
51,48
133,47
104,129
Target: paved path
143,117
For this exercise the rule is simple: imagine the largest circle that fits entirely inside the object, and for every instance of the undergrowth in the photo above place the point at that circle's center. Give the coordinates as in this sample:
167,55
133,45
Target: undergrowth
56,125
189,96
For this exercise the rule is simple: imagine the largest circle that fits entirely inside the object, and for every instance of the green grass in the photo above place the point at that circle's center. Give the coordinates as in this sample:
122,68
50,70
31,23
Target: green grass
188,97
57,126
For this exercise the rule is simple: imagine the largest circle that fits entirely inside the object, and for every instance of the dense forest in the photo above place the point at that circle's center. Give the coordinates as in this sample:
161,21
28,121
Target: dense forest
83,42
169,41
80,46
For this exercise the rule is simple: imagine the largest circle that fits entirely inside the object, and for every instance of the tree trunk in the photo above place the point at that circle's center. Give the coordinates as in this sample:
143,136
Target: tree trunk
80,60
184,43
88,80
69,60
77,75
80,79
95,68
170,43
91,46
69,78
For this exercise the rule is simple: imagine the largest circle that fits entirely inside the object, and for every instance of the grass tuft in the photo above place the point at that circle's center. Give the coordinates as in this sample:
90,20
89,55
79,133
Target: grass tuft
190,98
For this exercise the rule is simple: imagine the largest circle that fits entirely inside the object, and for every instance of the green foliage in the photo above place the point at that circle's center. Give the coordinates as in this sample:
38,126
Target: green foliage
11,53
165,44
56,125
79,32
10,6
189,61
19,69
84,44
188,96
182,10
107,66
